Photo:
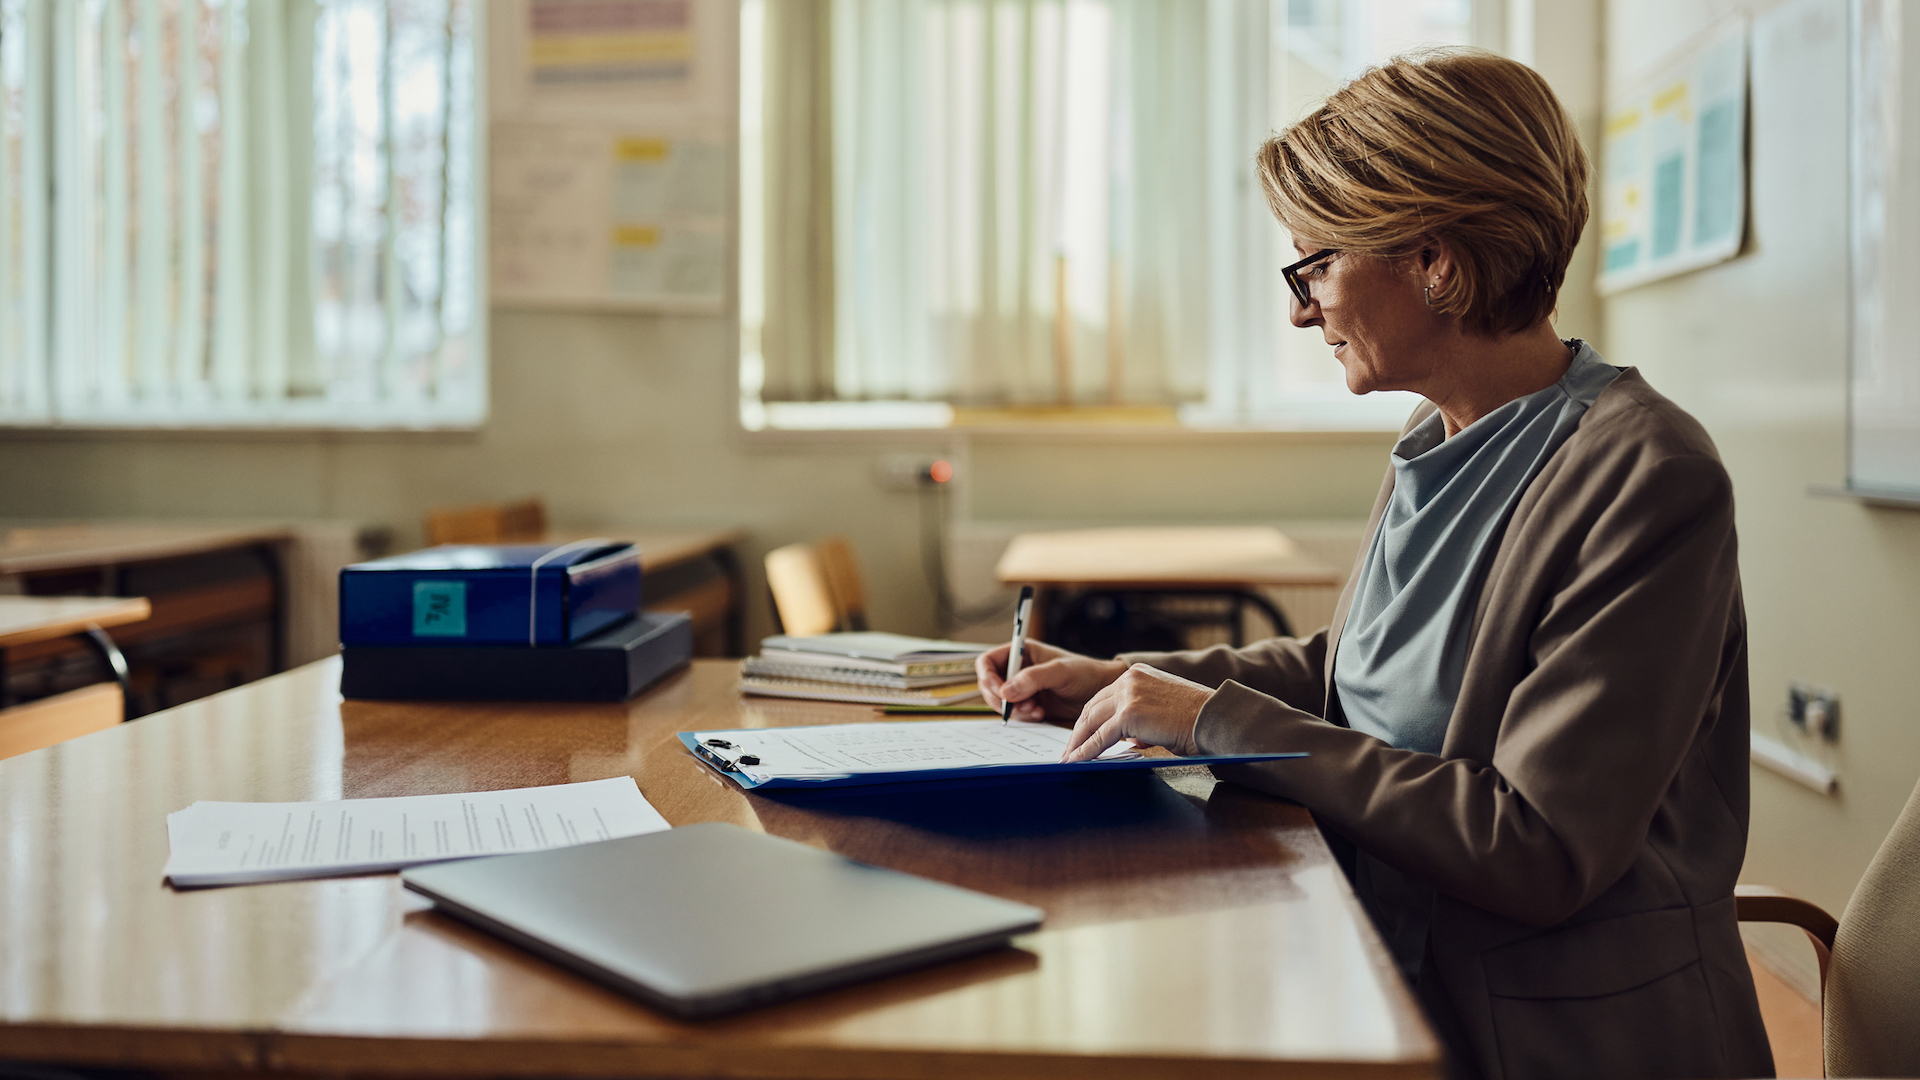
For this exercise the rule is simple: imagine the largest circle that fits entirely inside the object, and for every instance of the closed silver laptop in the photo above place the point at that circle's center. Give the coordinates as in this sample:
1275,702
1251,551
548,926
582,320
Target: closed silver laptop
709,919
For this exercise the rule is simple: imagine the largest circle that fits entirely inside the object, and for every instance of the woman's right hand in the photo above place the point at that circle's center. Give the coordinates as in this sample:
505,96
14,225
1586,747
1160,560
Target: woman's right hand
1054,684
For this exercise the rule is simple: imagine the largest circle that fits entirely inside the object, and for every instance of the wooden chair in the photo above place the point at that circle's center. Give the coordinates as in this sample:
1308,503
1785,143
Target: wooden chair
1869,957
816,587
843,581
522,522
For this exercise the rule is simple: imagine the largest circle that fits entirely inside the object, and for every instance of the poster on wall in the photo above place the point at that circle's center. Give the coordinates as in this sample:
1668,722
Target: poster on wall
584,216
620,61
1673,157
610,148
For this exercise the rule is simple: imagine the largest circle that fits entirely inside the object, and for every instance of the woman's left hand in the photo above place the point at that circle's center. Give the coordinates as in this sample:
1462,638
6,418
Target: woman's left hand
1145,704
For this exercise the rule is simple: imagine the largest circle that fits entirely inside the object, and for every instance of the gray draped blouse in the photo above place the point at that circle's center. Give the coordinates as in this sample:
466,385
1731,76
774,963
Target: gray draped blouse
1403,652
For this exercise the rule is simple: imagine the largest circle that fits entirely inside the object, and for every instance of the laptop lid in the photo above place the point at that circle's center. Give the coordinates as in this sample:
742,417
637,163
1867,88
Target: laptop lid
711,918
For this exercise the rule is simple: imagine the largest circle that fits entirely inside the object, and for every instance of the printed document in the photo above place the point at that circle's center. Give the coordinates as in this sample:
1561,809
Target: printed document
229,843
913,746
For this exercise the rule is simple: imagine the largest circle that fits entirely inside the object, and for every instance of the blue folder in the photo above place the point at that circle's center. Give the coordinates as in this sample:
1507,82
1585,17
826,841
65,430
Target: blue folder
718,763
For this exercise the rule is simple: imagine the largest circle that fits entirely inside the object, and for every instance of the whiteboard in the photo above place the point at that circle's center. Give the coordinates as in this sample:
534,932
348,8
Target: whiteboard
1883,430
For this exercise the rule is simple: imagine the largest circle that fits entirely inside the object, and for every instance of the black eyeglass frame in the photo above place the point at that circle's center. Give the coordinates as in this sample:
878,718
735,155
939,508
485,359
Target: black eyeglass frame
1292,274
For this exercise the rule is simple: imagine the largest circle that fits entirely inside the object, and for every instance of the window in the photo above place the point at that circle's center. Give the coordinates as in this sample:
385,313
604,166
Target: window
240,213
968,210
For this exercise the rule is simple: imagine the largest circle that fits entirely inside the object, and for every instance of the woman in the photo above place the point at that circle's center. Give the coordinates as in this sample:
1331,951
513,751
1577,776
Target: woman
1528,721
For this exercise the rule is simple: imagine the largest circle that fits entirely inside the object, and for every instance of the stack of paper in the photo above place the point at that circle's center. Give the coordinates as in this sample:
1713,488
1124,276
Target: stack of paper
871,668
228,843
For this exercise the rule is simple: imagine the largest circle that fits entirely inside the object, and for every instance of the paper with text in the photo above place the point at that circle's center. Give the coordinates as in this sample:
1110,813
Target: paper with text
913,746
230,843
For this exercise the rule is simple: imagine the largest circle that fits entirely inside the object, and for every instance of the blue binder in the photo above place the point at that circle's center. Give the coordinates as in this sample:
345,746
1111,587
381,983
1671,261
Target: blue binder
533,594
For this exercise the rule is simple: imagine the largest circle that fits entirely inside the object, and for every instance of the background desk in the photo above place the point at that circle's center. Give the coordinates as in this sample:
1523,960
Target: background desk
232,601
695,571
30,620
1191,926
1197,561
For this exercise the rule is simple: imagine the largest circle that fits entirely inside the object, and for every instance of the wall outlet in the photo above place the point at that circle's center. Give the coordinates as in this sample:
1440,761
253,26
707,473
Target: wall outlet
910,472
1814,710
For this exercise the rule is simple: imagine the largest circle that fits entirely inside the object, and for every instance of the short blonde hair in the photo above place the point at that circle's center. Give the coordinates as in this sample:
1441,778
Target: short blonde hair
1457,145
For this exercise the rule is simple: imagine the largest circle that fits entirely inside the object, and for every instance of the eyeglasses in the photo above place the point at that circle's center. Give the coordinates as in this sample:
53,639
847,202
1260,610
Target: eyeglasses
1292,273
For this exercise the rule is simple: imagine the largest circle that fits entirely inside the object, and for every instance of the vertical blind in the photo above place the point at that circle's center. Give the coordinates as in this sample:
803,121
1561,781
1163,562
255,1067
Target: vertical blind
1041,202
239,213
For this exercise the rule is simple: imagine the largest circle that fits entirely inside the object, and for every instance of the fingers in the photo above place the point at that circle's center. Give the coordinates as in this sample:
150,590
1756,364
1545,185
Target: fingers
1151,707
1052,675
1030,711
987,668
1100,708
1100,740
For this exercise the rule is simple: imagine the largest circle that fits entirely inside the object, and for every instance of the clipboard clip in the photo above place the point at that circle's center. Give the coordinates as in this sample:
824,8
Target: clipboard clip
710,751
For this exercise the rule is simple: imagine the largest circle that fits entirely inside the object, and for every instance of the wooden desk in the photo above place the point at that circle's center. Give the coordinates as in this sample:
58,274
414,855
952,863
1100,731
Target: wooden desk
1193,928
30,620
218,592
27,619
1180,557
46,549
1241,564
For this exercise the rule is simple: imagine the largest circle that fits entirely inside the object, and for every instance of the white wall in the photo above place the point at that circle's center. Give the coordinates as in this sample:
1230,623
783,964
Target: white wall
628,418
1757,349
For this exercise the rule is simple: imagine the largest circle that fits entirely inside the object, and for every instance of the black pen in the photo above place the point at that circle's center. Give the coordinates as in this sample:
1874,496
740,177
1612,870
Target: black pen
1018,654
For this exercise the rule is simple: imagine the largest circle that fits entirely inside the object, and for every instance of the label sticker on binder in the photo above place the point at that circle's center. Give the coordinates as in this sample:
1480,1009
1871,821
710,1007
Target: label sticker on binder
439,609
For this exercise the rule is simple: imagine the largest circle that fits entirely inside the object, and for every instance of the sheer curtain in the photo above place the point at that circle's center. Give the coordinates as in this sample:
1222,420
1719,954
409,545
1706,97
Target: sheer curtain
797,143
1010,182
23,212
262,212
1042,202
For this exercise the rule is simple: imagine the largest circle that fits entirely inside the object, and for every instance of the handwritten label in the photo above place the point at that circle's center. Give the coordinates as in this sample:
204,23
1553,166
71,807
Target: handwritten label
439,609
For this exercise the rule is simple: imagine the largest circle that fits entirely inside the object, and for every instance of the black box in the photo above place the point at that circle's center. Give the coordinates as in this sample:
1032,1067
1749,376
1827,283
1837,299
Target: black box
613,665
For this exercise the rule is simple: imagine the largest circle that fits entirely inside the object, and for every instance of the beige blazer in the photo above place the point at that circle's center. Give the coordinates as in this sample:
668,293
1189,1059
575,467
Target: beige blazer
1586,817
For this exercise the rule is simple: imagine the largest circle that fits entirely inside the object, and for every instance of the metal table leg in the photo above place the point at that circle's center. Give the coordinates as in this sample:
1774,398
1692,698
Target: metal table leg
736,621
110,655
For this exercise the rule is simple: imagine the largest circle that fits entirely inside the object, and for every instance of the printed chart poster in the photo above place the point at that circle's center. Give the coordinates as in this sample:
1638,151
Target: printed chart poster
1673,189
636,62
609,42
591,217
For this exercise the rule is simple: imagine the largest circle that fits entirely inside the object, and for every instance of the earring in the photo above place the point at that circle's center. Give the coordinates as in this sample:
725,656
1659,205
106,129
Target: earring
1428,293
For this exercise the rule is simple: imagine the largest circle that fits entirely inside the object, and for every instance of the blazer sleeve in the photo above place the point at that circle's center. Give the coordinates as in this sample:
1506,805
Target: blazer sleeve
1291,670
1627,658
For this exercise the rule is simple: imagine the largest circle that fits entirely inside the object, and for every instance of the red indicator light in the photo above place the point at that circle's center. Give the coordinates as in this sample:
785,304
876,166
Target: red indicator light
940,472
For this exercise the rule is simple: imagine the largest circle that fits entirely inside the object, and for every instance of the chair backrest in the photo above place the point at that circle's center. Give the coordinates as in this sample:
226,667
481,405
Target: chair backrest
816,587
802,599
843,581
524,521
1872,994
